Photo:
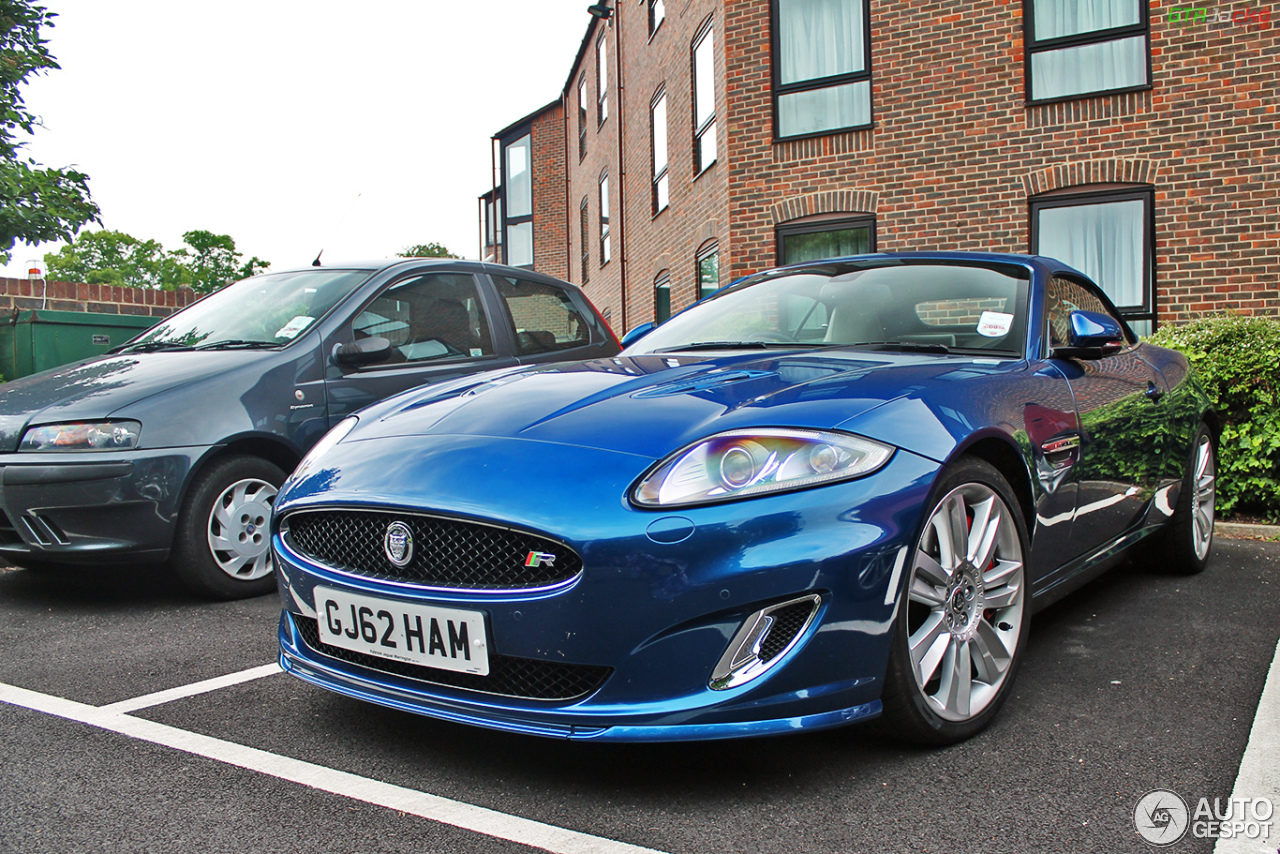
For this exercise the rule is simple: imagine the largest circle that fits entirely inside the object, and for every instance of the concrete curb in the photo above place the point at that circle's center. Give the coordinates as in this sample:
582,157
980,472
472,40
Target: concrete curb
1241,531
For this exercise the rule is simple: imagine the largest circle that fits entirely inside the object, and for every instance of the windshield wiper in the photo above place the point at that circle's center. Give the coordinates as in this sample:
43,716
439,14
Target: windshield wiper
906,346
150,347
732,345
239,344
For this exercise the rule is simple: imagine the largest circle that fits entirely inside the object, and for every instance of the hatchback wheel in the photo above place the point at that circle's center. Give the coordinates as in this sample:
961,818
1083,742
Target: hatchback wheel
222,548
963,614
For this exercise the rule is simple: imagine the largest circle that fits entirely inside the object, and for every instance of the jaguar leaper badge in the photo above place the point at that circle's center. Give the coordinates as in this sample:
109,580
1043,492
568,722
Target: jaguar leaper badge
398,544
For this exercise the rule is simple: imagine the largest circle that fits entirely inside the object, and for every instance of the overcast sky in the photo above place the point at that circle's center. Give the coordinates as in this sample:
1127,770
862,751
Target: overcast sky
295,125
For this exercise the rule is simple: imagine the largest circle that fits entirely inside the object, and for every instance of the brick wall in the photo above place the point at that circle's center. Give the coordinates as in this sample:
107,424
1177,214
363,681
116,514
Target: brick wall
956,154
698,214
22,295
604,280
953,159
550,223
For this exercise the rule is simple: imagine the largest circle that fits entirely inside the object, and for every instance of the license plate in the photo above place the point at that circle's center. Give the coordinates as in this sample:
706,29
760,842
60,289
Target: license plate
444,638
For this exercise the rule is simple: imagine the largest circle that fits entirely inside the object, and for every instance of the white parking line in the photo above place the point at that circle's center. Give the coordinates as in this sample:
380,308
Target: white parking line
182,691
466,816
1259,777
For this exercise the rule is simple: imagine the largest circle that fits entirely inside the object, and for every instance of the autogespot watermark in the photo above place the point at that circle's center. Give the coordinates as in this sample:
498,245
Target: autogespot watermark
1163,818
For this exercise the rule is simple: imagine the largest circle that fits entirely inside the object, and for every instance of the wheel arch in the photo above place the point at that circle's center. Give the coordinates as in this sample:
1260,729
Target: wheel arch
272,450
1006,459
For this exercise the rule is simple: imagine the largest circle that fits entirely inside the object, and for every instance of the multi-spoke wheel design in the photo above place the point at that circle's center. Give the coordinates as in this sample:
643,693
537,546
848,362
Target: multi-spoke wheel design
965,601
238,536
222,547
963,615
1189,538
1203,495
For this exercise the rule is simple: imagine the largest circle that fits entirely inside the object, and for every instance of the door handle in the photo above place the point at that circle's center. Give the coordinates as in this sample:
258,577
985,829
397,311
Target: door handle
1059,453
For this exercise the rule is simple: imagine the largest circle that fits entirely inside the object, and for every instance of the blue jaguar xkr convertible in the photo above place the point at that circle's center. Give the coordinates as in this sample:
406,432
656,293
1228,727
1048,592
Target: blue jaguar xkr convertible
829,493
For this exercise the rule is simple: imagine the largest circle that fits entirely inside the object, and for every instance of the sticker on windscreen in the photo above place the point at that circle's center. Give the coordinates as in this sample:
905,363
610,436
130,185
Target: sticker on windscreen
295,326
994,324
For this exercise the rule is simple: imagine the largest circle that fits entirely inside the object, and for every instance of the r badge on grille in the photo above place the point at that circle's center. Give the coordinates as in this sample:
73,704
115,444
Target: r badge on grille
539,559
398,544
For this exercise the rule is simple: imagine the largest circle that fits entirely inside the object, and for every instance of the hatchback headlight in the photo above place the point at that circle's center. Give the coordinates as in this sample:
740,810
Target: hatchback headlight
82,436
743,463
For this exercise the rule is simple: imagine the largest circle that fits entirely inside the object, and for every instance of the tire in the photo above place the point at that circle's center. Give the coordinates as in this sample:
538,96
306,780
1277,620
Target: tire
1188,541
222,547
966,616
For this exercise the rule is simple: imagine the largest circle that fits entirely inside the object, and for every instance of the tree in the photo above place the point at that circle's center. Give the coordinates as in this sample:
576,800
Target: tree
426,250
36,204
111,258
206,263
213,261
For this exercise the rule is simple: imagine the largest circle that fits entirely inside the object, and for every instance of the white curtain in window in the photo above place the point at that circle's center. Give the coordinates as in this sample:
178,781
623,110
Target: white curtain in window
817,110
704,79
519,179
820,38
520,244
1058,18
1093,67
1105,241
660,135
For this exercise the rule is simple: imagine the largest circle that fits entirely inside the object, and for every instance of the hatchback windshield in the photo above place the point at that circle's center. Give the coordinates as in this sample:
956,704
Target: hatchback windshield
265,311
927,306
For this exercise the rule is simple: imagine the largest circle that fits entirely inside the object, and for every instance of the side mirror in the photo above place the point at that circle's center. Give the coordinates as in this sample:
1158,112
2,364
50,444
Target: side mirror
365,351
1092,335
637,332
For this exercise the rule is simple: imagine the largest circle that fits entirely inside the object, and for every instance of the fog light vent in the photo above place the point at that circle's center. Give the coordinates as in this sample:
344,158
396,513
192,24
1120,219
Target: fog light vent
762,640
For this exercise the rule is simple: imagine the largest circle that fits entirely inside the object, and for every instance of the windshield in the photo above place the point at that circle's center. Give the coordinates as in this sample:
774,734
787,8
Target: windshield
910,305
269,311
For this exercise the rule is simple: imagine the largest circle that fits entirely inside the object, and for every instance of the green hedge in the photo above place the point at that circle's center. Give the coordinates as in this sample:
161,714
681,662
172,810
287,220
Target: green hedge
1237,360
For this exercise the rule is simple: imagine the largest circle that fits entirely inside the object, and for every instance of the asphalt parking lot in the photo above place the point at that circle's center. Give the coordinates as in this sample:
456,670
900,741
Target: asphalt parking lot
1138,682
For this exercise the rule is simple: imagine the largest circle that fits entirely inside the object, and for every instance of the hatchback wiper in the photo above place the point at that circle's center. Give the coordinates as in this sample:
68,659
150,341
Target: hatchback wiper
239,344
150,347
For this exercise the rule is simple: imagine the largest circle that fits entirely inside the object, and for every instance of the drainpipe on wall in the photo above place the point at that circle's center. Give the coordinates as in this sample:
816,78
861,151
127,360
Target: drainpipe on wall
622,165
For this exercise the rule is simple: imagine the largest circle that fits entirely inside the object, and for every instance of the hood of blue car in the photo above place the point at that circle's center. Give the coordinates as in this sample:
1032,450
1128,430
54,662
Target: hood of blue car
650,405
96,388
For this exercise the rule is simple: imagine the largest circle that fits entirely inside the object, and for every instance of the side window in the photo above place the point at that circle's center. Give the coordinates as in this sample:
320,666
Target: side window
1065,296
545,317
432,317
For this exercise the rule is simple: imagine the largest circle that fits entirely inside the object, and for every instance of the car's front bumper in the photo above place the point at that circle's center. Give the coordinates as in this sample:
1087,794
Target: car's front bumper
77,508
659,615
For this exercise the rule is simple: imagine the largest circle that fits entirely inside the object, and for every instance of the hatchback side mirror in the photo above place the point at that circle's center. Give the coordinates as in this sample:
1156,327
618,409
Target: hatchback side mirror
637,333
365,351
1091,335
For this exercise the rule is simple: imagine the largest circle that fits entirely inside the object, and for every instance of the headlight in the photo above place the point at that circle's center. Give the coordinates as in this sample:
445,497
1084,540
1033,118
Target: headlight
327,441
742,463
82,436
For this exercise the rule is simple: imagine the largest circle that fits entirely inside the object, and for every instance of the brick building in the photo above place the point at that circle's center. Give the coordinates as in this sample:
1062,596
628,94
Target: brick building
701,142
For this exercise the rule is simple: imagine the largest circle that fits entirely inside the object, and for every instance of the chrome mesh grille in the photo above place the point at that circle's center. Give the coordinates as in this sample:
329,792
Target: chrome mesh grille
787,623
526,678
447,553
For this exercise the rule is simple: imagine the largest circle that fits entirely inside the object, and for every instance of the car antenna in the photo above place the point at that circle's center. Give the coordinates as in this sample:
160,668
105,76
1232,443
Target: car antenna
341,220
